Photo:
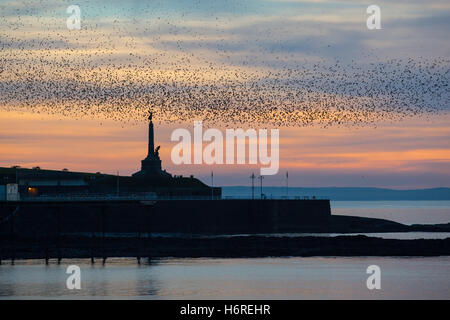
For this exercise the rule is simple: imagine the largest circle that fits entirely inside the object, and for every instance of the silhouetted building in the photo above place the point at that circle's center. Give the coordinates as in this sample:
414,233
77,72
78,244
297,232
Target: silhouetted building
150,180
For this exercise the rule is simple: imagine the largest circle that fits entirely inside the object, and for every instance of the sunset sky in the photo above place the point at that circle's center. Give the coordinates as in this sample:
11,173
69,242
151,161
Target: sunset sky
78,99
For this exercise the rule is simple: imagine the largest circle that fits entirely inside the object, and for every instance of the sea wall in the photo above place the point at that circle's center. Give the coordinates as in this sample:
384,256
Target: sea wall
164,216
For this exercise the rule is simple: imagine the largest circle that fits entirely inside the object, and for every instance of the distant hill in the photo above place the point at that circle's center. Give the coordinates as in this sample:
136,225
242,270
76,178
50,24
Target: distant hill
344,194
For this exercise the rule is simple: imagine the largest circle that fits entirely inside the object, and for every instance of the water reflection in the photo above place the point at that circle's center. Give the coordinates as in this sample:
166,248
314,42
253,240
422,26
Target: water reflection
118,277
268,278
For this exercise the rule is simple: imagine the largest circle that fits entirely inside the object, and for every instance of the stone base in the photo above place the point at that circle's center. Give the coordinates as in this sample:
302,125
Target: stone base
151,168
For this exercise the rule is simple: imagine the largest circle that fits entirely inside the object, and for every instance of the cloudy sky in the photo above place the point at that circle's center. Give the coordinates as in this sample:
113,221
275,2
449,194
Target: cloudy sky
355,107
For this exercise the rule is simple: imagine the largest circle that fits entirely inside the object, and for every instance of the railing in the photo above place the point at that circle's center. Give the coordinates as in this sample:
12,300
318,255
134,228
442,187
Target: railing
276,197
150,197
89,197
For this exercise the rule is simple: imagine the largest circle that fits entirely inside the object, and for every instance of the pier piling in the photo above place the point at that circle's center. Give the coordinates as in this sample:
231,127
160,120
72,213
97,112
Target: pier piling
149,234
93,241
58,234
138,247
13,238
103,233
92,244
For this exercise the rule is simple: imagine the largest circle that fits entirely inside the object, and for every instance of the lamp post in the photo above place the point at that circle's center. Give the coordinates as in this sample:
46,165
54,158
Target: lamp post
212,185
118,183
261,178
287,184
253,185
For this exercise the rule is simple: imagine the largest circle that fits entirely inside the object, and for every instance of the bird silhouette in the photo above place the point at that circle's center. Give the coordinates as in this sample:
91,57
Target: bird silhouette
116,67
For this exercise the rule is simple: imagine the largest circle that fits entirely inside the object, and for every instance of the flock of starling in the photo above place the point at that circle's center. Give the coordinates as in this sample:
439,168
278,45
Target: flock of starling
119,70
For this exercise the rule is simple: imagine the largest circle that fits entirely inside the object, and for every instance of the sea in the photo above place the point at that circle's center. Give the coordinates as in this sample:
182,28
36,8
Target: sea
255,278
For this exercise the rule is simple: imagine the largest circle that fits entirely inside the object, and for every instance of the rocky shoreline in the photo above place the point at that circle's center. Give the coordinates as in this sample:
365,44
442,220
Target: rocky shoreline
220,247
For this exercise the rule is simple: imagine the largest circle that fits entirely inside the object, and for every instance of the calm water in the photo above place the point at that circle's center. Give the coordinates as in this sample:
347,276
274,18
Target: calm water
270,278
407,212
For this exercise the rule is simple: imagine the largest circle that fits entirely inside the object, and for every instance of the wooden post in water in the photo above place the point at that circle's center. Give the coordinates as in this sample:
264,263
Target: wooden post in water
139,221
58,233
103,233
47,241
13,238
47,257
92,252
149,233
92,244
